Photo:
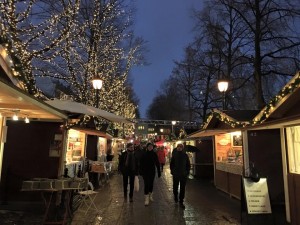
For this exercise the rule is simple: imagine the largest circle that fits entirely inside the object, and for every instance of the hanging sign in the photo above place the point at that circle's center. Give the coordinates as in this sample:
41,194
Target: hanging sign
257,196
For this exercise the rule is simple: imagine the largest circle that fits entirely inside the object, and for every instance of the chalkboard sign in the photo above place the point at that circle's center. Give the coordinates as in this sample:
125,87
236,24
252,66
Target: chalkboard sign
257,196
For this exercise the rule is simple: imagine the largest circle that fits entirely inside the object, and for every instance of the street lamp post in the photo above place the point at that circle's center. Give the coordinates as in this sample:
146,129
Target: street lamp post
97,85
173,124
223,86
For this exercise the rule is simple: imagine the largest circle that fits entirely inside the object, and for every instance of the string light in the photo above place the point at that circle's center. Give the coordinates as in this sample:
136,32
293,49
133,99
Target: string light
27,120
15,117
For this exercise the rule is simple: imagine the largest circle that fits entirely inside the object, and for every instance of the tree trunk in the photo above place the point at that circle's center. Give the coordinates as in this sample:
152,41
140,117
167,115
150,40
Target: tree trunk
260,101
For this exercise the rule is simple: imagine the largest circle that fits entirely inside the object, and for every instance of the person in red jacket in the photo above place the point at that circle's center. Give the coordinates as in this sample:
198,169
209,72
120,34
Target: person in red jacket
161,157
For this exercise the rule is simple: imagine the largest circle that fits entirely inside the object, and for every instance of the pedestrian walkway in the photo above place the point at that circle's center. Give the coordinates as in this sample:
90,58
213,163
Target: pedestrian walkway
205,205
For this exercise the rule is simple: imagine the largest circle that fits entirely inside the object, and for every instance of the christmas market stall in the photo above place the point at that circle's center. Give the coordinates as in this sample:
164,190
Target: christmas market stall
225,128
31,137
88,140
273,148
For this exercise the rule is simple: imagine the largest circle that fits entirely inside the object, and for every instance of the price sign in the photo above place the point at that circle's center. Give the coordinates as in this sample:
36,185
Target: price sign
257,196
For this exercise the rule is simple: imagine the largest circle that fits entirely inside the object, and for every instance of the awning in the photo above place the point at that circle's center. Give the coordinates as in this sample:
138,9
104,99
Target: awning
206,133
76,107
276,124
92,132
12,100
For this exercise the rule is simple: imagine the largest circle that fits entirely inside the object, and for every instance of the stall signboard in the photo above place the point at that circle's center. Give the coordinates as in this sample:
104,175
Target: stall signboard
257,196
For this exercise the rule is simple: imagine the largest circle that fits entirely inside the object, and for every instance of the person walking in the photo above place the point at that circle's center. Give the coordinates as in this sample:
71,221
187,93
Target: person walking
148,164
161,157
128,166
180,168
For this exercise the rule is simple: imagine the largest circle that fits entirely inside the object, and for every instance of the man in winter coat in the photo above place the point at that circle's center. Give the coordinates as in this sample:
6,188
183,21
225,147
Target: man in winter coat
128,166
180,168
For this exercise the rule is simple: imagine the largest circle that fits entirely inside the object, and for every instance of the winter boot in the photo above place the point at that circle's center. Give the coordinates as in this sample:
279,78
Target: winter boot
146,200
151,197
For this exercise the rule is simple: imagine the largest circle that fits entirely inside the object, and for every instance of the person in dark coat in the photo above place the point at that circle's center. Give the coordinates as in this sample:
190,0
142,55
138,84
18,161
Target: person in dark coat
148,164
180,168
128,166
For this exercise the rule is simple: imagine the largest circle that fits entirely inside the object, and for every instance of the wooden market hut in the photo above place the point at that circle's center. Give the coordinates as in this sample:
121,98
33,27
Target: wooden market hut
27,150
225,128
273,145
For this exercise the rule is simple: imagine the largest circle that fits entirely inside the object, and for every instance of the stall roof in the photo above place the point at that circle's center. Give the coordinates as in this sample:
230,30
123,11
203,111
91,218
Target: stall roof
283,103
278,123
15,100
210,132
93,132
220,122
75,107
12,100
229,118
282,110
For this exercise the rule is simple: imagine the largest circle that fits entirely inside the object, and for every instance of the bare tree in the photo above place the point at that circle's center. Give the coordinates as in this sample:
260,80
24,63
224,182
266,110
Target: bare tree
169,103
273,40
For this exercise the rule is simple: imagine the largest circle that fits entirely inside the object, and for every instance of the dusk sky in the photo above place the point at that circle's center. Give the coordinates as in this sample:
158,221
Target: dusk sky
167,27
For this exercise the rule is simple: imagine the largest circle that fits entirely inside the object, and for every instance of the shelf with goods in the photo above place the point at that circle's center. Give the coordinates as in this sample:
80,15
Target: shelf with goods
228,150
75,146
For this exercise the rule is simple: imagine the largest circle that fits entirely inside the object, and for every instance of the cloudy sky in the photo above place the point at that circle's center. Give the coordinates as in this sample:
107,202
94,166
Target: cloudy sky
167,27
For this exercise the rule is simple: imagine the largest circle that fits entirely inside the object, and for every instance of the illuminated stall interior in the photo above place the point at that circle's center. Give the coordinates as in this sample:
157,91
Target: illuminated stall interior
75,146
229,148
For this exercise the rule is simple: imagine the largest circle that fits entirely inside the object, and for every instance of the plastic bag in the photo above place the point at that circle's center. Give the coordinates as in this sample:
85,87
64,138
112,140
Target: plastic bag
136,183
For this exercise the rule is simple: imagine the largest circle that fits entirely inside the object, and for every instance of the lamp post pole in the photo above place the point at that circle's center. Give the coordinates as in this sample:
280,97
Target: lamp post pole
224,100
223,86
173,123
97,85
97,98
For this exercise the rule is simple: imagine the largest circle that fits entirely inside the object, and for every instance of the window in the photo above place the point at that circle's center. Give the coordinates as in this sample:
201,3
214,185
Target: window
293,148
141,127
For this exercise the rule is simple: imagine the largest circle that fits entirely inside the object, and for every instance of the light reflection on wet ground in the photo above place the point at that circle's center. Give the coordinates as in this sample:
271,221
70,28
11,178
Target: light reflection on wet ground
204,205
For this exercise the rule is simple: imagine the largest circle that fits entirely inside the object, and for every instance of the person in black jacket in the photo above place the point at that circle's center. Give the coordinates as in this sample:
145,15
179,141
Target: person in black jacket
128,166
180,168
148,164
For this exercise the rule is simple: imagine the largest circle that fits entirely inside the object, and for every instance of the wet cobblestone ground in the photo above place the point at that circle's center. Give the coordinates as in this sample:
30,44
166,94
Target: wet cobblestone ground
205,205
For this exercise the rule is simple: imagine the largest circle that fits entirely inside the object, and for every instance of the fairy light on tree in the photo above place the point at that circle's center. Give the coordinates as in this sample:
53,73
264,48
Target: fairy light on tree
73,44
30,34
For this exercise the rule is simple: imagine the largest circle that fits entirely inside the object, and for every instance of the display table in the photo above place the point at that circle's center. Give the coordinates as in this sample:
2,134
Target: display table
48,187
228,178
103,169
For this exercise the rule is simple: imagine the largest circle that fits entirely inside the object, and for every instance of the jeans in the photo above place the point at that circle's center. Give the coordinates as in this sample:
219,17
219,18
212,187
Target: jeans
131,184
148,184
176,182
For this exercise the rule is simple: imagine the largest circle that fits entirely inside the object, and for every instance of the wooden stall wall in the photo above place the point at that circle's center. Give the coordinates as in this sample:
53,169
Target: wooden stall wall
26,156
294,197
204,167
91,147
265,152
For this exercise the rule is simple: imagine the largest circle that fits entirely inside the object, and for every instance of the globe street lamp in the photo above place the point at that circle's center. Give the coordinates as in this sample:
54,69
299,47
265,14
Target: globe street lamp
97,85
223,86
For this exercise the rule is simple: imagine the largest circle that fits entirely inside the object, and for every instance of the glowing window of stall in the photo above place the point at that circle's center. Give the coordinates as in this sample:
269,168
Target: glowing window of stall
75,147
229,147
293,148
